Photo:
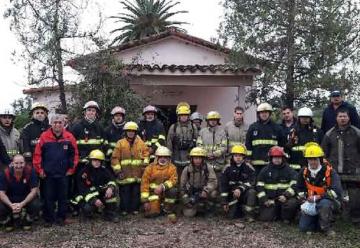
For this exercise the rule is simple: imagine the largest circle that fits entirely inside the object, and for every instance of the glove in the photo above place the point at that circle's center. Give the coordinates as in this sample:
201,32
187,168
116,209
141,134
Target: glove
269,203
282,199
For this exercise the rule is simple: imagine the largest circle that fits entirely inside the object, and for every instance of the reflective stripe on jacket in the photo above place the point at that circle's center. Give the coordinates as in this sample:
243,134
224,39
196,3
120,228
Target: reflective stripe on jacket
130,160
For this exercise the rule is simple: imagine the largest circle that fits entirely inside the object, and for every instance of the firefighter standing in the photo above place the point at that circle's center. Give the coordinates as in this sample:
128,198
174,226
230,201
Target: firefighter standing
88,132
10,136
4,157
213,140
158,185
97,188
129,158
288,120
115,131
181,138
262,135
196,119
341,145
151,130
55,158
32,131
237,186
276,184
236,129
304,131
318,184
198,185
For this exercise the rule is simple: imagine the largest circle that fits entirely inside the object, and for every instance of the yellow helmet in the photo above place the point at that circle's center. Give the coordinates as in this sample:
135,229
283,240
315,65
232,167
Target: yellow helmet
97,154
213,115
163,151
197,152
264,107
239,149
37,105
313,150
182,104
131,126
183,110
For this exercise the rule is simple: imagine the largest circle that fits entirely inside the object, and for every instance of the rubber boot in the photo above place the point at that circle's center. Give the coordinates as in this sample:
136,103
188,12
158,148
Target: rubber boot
26,223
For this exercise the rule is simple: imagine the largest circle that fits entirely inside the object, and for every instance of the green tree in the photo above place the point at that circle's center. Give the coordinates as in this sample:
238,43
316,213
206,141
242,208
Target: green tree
305,47
144,18
106,82
22,108
45,29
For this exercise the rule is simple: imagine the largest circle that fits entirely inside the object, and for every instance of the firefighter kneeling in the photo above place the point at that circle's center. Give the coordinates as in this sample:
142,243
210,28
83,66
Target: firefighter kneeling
198,185
320,189
276,188
97,188
237,186
158,185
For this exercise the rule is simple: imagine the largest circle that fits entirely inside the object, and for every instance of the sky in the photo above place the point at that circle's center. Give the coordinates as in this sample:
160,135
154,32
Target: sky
204,17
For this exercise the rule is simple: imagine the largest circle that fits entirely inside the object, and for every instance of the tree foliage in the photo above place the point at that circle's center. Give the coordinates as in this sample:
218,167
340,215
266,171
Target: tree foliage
106,81
305,47
45,29
22,108
143,18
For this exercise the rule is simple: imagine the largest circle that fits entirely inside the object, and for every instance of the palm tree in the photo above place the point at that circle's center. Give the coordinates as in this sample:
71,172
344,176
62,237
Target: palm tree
144,18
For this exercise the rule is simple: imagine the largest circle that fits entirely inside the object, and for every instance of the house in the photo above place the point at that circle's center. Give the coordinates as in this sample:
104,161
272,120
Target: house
173,67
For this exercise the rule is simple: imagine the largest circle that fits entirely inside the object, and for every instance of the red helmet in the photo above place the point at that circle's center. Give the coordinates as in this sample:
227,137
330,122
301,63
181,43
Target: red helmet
277,151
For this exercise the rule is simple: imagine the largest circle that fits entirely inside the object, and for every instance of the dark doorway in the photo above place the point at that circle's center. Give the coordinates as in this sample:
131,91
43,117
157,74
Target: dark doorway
167,114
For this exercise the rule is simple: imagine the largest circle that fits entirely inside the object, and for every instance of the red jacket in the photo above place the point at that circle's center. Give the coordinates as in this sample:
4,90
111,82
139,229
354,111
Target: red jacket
56,156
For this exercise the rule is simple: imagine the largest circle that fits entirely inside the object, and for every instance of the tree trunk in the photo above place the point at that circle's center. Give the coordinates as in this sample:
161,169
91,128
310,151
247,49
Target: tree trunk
58,61
290,64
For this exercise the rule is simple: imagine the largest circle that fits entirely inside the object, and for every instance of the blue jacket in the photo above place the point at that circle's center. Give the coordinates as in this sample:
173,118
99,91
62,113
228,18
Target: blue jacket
55,156
329,116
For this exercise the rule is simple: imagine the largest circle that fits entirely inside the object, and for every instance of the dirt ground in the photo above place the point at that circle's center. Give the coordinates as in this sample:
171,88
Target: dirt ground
199,232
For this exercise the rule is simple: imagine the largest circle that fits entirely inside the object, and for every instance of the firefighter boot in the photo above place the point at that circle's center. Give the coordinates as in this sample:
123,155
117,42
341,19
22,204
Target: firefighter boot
27,222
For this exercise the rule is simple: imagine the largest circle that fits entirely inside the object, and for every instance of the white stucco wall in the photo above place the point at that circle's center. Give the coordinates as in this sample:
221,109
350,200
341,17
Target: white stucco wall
51,99
208,90
171,50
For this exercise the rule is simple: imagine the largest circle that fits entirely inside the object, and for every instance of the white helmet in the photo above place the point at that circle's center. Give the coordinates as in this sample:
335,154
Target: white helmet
196,116
264,107
305,112
91,104
7,112
117,110
149,108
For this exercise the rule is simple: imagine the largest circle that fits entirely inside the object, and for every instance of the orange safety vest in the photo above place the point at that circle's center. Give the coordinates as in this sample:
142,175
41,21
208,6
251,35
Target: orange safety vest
318,190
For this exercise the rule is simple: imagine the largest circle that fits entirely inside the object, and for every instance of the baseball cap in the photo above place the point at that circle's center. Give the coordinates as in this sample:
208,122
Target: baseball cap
335,93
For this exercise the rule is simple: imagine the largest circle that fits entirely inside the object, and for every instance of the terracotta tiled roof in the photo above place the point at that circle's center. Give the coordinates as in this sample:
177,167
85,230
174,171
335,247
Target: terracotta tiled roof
40,89
193,68
77,62
53,88
171,32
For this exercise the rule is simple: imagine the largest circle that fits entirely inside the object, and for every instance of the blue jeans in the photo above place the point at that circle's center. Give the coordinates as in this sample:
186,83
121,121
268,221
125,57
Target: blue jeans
312,223
56,189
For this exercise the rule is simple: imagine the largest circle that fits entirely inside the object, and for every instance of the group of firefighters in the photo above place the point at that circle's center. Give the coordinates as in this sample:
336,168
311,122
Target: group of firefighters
265,171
